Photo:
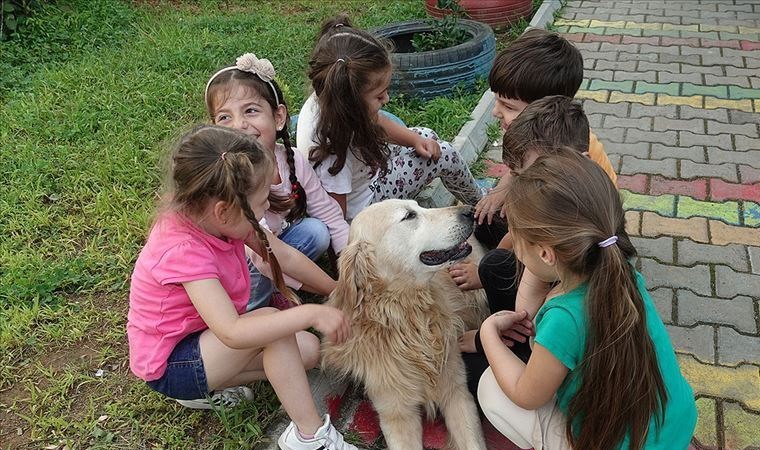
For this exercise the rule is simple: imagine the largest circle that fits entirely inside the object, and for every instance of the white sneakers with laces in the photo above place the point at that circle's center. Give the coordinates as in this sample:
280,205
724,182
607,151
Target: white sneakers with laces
326,438
227,398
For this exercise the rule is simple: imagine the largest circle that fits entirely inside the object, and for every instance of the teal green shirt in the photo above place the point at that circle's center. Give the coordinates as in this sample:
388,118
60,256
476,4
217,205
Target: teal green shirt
561,328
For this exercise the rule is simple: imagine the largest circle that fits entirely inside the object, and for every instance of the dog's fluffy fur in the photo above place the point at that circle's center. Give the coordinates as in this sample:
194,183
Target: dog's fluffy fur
407,315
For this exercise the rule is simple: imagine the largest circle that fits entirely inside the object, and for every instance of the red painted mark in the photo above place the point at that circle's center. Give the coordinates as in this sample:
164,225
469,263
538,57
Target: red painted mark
750,45
634,183
434,434
720,190
732,43
651,40
613,39
749,174
573,37
365,422
494,169
333,405
691,42
694,188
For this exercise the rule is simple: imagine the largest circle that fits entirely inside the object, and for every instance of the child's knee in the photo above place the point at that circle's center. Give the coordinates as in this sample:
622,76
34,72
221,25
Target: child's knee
313,237
308,345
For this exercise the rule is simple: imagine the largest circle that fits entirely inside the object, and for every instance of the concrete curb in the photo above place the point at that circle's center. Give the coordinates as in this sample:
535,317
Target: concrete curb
472,137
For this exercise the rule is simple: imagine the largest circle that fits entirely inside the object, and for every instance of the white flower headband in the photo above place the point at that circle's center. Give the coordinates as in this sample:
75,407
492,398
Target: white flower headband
248,62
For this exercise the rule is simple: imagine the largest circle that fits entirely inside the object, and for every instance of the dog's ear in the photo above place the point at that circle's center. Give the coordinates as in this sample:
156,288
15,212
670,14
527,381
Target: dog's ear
357,275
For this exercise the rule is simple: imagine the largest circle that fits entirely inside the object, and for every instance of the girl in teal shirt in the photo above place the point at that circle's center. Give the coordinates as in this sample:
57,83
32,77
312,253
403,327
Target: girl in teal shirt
603,374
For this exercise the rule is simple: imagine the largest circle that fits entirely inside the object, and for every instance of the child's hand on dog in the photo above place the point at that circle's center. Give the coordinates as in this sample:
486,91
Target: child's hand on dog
330,322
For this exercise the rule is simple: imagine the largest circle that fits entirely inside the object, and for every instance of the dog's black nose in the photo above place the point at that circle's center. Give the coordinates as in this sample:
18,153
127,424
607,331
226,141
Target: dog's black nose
468,213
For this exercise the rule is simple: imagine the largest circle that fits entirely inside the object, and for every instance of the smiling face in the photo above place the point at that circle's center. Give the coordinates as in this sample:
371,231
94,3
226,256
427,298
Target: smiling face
376,96
245,110
506,109
413,240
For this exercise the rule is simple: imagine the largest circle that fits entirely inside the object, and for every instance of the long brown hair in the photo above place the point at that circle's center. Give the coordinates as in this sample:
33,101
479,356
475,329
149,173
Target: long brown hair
567,202
340,68
218,91
212,162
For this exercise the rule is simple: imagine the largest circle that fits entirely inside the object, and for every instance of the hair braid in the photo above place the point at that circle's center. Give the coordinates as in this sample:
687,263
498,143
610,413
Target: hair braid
239,182
298,193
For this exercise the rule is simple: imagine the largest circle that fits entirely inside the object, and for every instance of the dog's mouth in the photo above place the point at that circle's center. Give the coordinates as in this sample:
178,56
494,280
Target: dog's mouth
436,257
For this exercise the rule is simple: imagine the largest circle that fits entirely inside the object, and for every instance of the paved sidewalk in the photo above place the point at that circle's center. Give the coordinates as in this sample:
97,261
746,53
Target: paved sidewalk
672,89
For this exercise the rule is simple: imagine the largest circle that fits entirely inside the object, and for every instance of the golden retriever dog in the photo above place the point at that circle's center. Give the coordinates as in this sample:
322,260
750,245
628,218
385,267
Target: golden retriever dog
407,315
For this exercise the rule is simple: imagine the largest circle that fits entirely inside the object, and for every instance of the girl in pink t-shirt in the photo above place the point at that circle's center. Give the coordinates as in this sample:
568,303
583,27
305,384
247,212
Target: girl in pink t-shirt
189,334
247,97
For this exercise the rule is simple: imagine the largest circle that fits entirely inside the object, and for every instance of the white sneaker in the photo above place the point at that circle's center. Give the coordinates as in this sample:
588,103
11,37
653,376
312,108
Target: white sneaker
326,437
227,398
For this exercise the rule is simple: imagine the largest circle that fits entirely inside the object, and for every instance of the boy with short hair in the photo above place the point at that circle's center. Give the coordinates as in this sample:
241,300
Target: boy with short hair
537,64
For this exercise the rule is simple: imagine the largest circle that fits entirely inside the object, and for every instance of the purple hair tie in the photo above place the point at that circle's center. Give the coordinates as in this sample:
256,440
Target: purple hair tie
607,242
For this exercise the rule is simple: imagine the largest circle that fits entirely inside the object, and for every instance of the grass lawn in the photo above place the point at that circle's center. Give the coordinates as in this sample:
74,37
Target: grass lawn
91,95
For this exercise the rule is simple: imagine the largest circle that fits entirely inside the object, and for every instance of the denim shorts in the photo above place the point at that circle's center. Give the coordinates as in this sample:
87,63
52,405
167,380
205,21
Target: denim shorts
185,377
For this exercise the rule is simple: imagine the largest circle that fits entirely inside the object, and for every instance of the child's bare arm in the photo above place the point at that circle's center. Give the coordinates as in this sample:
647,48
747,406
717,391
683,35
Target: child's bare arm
531,293
401,135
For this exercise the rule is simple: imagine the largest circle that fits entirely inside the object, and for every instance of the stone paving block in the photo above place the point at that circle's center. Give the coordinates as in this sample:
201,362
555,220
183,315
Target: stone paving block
694,101
723,141
738,312
611,109
701,34
741,117
749,174
632,165
592,37
622,86
653,225
630,48
747,143
733,255
634,183
626,66
697,341
663,302
594,75
696,278
716,60
696,188
617,97
626,32
719,43
691,169
726,211
685,59
669,111
635,76
694,153
659,67
690,42
720,190
599,96
716,155
722,233
643,123
743,105
688,112
651,40
729,283
751,214
660,248
694,125
740,383
667,77
588,47
607,135
595,120
738,54
706,431
662,204
633,223
727,81
715,70
638,149
735,348
741,428
748,130
666,137
669,88
754,259
696,50
719,91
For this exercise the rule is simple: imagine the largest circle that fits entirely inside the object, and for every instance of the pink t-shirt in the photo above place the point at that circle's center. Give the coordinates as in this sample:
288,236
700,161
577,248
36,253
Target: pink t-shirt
160,311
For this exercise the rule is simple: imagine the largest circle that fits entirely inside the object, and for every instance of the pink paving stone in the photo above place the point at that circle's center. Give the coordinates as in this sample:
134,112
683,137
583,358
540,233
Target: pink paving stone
573,37
365,422
694,188
651,40
494,169
733,43
750,45
434,434
720,190
612,39
691,42
635,183
749,175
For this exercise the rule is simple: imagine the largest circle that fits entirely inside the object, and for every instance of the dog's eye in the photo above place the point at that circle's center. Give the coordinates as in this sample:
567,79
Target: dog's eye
409,215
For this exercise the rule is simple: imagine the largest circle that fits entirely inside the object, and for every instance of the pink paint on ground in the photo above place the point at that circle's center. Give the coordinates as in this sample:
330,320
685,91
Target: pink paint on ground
693,188
334,403
721,190
365,422
635,183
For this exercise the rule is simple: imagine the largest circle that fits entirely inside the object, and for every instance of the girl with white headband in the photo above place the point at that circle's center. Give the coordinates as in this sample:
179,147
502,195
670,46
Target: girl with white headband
603,374
247,97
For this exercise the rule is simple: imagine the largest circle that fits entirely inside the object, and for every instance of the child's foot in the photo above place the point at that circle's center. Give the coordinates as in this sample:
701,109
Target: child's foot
326,437
465,275
227,398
